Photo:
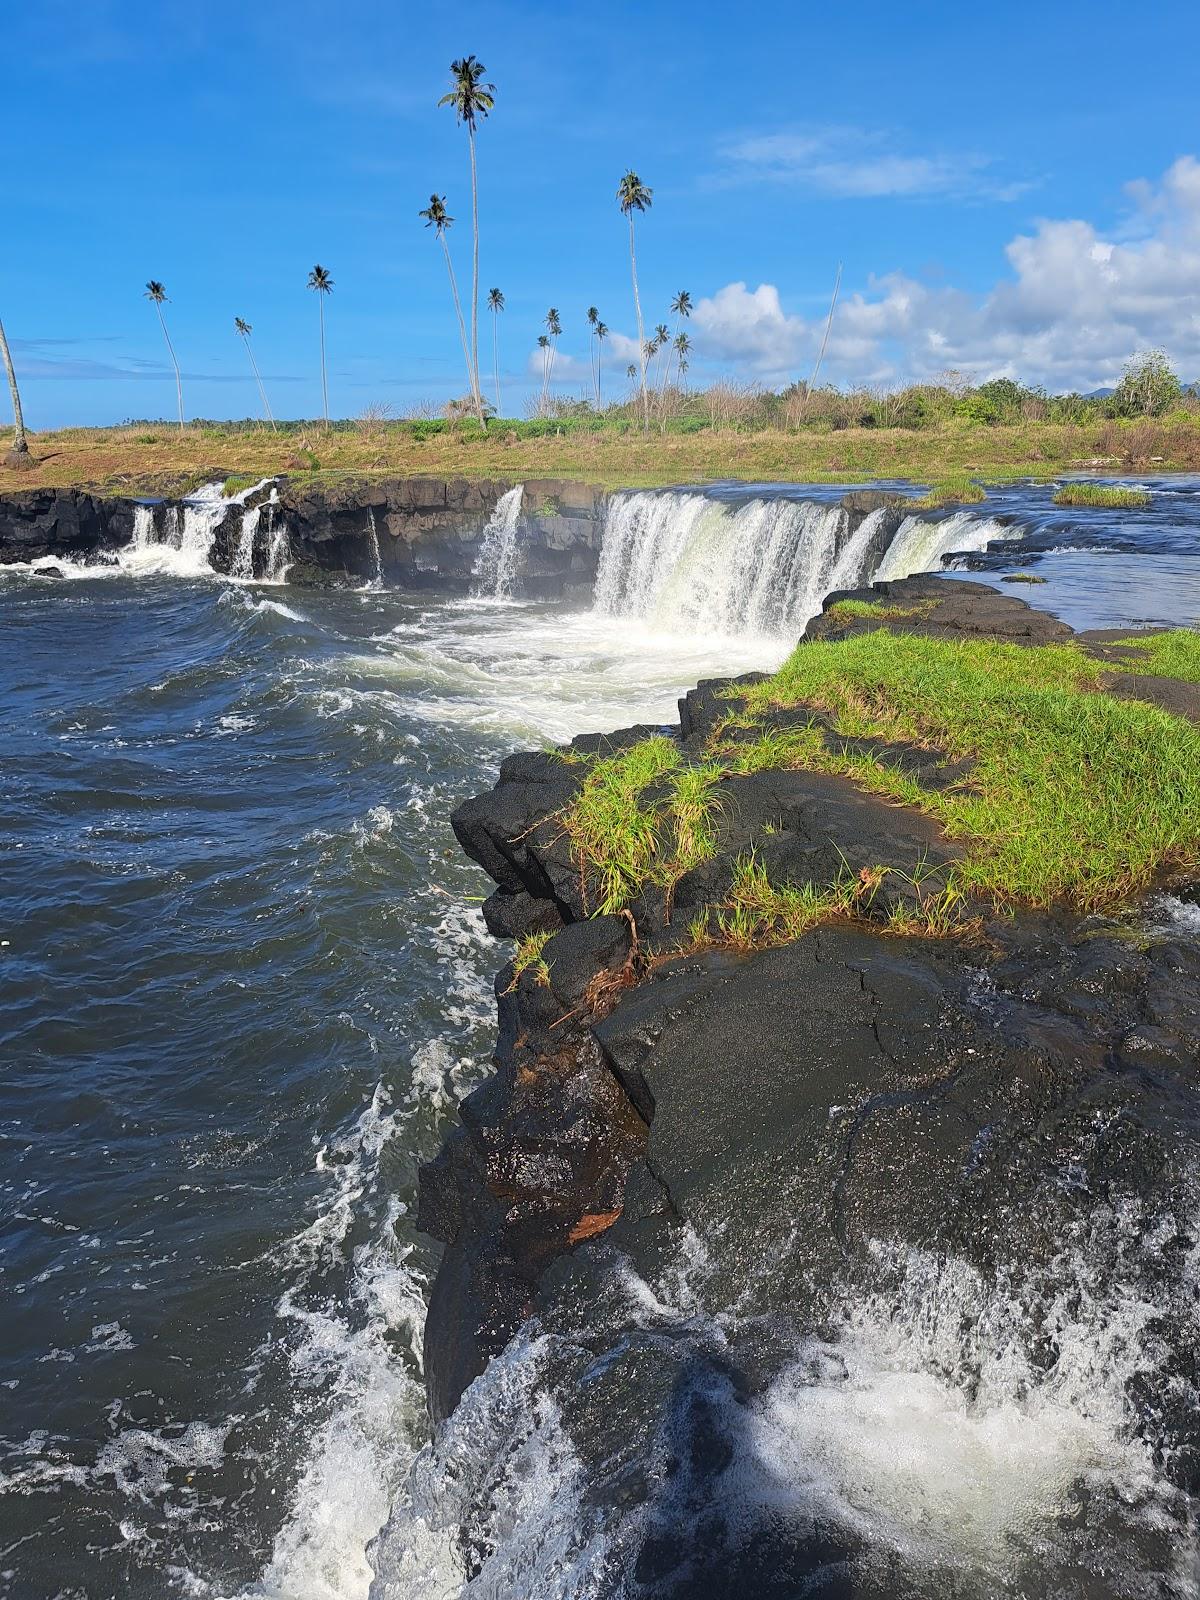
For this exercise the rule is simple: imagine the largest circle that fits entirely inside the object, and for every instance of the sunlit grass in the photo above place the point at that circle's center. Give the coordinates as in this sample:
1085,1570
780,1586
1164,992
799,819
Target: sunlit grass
1100,494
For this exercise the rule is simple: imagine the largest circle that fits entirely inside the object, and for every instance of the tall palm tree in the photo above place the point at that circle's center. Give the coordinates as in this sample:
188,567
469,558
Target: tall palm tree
553,328
601,335
320,281
495,302
156,293
472,99
593,317
244,331
19,455
633,195
437,218
544,347
681,310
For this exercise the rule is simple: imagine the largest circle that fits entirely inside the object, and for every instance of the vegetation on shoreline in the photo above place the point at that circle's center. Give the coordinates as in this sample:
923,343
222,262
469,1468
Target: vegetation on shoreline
156,457
1172,654
1101,494
1071,796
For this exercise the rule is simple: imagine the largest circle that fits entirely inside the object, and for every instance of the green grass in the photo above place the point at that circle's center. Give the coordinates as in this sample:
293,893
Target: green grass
877,610
529,959
1168,655
952,491
642,815
1074,795
1100,494
239,481
758,914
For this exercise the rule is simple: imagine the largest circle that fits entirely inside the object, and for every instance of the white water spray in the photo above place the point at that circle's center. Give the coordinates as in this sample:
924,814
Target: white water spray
496,565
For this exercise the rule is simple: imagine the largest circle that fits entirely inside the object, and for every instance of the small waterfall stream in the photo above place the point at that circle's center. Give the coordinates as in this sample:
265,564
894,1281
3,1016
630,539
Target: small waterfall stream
496,565
376,553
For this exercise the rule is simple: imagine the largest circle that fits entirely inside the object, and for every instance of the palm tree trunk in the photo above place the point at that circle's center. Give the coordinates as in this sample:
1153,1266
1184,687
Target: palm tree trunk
162,322
496,356
262,393
837,284
599,356
637,306
462,327
324,380
476,390
20,446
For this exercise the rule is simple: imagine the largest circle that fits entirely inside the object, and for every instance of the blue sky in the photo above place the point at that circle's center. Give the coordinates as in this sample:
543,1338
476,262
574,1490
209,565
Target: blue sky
1009,189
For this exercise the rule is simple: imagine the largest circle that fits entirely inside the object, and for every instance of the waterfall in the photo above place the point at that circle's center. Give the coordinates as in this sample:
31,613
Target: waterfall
687,562
279,549
242,565
143,527
179,538
376,553
496,564
921,546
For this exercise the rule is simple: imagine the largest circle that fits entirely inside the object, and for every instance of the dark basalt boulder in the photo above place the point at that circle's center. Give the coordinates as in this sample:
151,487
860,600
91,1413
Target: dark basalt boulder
941,607
61,522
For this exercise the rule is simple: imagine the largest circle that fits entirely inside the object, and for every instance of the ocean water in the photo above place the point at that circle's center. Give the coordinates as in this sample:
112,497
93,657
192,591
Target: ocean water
245,983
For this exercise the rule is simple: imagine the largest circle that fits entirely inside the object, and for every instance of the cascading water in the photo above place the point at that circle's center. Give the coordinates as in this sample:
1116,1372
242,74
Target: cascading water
279,549
921,545
685,560
496,565
376,553
243,556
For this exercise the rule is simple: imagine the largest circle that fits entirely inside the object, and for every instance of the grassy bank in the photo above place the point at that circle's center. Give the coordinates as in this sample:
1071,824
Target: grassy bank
953,451
1071,796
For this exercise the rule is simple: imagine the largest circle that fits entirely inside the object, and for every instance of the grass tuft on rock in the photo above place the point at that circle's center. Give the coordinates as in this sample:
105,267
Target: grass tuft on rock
1100,495
529,959
953,491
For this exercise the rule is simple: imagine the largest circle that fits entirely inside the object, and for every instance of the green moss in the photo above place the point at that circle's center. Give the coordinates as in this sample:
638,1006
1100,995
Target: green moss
239,481
1073,794
1099,494
1167,655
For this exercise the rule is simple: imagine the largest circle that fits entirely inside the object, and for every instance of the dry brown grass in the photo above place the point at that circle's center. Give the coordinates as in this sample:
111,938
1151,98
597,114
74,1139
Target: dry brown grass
160,458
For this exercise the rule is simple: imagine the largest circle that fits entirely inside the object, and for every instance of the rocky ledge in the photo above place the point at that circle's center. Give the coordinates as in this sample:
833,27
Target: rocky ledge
419,532
997,1096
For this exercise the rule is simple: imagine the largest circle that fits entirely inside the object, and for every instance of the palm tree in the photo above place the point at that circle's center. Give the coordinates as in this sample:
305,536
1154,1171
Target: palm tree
244,331
601,335
472,99
681,310
495,302
19,455
593,317
436,217
553,328
633,195
156,293
320,281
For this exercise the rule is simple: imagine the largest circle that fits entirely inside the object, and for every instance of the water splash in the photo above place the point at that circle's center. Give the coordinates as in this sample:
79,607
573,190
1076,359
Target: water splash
242,565
496,564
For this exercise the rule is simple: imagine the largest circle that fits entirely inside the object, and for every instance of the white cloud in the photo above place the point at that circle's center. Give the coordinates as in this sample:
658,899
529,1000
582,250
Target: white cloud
1078,303
861,163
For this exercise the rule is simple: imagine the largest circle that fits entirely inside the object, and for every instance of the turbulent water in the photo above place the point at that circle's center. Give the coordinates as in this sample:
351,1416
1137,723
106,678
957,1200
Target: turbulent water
245,983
